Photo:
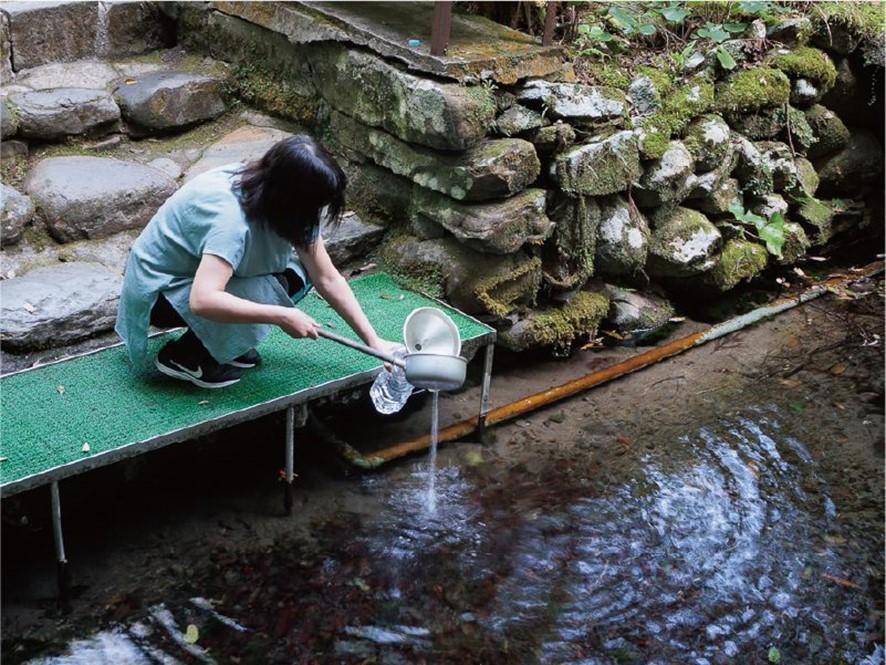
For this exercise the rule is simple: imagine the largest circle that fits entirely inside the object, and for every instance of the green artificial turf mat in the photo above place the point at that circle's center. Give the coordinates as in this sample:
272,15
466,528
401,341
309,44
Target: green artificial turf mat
49,413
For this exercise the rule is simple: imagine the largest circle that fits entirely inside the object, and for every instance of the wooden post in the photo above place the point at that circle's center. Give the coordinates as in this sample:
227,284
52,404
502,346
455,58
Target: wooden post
550,22
441,27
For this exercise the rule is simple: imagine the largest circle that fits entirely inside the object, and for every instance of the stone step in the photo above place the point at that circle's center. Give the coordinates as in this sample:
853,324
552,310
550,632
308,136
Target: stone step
50,115
243,144
58,305
94,197
17,211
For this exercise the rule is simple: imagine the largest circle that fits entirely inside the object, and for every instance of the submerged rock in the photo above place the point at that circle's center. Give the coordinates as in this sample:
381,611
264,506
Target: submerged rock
684,243
492,169
603,166
164,101
568,255
665,181
635,314
499,227
557,326
58,305
17,211
93,197
622,238
576,102
474,282
54,114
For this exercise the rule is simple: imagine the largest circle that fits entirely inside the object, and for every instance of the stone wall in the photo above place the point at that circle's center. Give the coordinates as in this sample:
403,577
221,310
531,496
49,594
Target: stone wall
533,204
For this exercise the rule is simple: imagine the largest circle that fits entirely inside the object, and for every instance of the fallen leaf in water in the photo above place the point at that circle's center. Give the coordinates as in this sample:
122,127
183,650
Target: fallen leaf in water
623,440
816,258
799,407
203,401
360,583
835,540
85,447
842,581
29,307
838,369
192,634
60,389
131,81
473,458
774,655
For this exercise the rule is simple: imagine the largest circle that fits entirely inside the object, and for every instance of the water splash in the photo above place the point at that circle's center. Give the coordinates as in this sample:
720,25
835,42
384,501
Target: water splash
102,41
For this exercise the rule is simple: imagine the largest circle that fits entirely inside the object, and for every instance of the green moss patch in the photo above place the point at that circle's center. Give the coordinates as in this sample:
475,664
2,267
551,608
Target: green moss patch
752,90
678,109
808,63
740,260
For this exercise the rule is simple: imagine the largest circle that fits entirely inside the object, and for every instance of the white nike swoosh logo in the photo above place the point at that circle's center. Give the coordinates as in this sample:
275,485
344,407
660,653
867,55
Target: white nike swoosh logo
196,375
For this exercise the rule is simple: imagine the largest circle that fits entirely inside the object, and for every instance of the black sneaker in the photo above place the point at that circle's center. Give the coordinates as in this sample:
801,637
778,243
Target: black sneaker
203,372
248,360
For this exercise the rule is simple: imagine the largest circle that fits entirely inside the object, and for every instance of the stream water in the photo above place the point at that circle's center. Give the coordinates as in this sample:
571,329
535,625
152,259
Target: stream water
729,543
102,25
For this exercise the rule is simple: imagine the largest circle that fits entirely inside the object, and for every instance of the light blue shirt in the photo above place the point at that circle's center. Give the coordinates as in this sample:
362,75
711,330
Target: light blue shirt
204,217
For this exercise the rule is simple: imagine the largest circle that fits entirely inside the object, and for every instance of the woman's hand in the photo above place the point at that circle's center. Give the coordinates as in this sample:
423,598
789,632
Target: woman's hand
296,323
385,346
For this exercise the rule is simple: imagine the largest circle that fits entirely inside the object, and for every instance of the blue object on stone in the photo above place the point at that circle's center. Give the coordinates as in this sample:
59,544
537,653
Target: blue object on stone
413,43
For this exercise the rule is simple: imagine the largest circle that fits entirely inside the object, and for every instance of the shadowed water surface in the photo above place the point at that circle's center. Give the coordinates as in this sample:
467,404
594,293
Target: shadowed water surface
723,545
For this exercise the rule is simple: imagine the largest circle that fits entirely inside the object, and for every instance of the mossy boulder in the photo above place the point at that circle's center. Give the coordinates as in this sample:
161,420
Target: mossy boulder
708,140
818,217
518,119
679,107
551,139
792,31
568,255
636,314
752,89
739,261
760,125
718,201
798,131
796,244
644,95
829,131
576,103
603,166
665,181
8,120
491,169
792,175
499,227
807,63
805,93
475,283
684,243
557,326
377,194
858,165
622,238
446,116
752,170
767,206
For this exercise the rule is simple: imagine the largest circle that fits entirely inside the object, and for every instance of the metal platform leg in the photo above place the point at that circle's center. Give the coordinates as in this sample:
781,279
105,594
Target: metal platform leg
64,575
484,391
288,473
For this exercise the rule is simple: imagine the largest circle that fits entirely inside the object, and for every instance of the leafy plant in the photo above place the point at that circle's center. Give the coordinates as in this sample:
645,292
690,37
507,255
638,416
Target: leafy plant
629,23
725,58
673,13
770,231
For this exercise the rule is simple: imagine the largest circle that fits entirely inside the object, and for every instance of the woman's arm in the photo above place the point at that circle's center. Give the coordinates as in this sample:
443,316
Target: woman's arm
210,300
335,289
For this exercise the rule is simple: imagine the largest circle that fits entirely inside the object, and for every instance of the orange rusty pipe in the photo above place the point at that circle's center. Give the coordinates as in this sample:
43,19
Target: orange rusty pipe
545,397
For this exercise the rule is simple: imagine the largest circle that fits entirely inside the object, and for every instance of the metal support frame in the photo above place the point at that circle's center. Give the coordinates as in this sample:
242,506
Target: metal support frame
64,579
441,27
551,8
484,390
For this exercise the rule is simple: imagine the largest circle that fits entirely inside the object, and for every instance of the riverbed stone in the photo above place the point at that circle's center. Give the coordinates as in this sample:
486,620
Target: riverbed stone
243,144
551,139
499,227
829,131
91,74
446,116
708,140
857,165
17,211
13,149
352,239
8,121
684,243
58,305
739,261
93,197
602,166
518,119
54,114
622,238
665,181
474,282
576,103
166,101
568,255
492,169
635,314
557,326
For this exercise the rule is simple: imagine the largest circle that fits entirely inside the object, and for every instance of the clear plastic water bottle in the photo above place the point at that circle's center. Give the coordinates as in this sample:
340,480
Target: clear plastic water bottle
390,390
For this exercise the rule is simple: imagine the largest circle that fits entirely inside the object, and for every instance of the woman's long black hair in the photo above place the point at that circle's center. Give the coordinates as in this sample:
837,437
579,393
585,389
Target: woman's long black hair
289,187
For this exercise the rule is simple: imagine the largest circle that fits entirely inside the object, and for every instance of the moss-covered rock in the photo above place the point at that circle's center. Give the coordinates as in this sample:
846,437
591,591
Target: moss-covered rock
818,217
518,119
841,27
576,103
609,75
739,261
796,244
856,166
760,125
568,255
475,283
829,131
753,172
679,107
792,174
807,63
622,238
718,201
636,314
498,227
492,169
644,96
551,139
804,93
708,140
684,243
798,131
792,31
665,181
557,326
603,166
752,89
377,194
767,206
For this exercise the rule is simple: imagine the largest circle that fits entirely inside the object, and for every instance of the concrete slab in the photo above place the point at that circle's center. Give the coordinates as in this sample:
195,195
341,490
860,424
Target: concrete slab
478,48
